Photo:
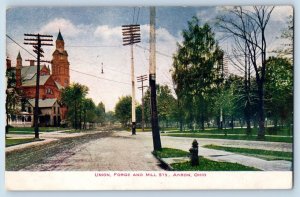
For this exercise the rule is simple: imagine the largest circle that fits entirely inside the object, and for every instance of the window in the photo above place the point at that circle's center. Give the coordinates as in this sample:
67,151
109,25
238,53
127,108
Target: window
49,91
58,111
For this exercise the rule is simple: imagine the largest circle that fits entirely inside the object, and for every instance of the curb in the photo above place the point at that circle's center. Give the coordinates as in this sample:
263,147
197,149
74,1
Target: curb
163,162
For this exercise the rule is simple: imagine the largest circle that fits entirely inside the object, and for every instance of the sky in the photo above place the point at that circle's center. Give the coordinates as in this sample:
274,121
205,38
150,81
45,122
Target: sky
93,37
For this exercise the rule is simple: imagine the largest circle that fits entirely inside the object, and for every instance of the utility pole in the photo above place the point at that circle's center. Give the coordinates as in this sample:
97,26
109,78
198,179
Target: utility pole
141,79
131,35
152,83
38,40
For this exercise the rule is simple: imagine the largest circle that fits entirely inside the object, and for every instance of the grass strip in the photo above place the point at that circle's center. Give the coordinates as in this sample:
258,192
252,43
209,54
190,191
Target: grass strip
13,142
263,154
233,137
209,165
30,130
170,152
204,164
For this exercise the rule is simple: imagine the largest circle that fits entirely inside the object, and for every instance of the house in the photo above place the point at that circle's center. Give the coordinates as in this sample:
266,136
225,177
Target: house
52,82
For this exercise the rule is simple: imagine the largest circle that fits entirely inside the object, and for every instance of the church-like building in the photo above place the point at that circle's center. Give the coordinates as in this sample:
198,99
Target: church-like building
52,82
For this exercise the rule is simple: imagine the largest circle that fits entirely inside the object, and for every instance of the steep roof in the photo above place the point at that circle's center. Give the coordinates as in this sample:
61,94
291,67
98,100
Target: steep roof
59,36
19,56
60,87
43,102
32,81
28,72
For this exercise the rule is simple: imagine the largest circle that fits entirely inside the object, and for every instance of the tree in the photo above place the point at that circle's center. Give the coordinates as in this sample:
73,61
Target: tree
88,108
100,112
123,110
110,117
194,70
249,24
72,96
279,90
166,104
12,96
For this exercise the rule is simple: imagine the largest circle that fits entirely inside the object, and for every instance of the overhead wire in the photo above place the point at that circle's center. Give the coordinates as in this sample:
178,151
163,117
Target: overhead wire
70,68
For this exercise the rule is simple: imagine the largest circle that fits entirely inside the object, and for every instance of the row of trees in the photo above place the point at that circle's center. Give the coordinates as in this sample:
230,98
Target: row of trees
198,74
166,107
205,96
80,108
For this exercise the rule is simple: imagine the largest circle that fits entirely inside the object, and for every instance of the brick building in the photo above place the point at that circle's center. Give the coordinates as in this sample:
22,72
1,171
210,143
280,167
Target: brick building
52,81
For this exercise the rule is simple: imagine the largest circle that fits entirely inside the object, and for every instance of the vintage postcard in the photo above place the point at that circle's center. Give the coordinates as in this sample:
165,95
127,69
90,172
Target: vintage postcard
149,98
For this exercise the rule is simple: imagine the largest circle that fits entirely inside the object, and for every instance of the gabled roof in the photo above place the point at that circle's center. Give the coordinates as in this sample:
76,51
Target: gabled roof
43,102
27,72
60,87
32,81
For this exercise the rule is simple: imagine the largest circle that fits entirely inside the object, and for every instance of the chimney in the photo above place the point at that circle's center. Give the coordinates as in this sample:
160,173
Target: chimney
31,62
8,63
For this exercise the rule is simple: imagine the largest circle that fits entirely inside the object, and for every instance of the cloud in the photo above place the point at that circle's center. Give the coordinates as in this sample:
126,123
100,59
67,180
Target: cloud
280,13
66,26
106,34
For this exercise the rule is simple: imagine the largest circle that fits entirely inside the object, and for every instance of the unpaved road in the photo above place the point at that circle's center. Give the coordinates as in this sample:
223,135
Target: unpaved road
105,151
121,151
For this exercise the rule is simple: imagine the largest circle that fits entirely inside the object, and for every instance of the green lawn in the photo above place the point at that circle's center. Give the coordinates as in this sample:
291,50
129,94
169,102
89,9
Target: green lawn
232,137
30,130
170,152
149,129
283,131
263,154
13,142
205,164
209,165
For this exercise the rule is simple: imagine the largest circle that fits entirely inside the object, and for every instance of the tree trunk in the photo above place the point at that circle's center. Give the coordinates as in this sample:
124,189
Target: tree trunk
232,125
75,114
80,117
261,114
202,121
247,118
6,107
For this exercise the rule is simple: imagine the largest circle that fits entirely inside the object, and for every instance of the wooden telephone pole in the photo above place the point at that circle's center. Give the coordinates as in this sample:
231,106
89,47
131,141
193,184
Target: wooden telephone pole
38,40
132,35
152,83
141,79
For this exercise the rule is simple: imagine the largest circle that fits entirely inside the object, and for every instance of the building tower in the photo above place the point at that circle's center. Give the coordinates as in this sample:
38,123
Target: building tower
18,71
60,63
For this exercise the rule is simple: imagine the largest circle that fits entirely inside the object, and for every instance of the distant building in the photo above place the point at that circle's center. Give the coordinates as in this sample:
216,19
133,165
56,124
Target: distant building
52,82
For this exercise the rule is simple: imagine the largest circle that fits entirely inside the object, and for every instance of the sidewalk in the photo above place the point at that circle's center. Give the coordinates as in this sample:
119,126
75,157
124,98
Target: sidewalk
219,155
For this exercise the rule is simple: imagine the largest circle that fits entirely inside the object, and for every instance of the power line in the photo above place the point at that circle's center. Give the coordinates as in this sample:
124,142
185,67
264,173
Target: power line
94,46
137,18
158,52
105,67
99,77
70,68
20,45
